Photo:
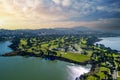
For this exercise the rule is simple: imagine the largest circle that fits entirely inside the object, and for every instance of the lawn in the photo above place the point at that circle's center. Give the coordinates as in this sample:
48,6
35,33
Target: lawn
118,78
74,56
119,73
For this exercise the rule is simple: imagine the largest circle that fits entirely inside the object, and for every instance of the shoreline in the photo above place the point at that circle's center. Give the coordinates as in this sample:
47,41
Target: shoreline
100,39
17,53
95,66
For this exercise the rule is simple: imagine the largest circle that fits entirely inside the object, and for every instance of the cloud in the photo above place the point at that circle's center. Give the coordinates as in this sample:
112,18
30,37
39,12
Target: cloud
60,9
64,3
110,24
56,12
57,9
108,9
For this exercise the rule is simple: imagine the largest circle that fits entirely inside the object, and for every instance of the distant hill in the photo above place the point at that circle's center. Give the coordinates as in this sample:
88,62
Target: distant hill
79,28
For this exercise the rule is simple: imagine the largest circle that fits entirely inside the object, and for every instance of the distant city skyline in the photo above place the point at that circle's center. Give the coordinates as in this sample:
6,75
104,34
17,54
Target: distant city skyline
37,14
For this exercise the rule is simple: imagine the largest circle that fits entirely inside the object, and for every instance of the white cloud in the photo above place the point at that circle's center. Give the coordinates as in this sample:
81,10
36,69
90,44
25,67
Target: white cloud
100,8
54,11
57,9
57,1
64,3
108,9
61,9
67,2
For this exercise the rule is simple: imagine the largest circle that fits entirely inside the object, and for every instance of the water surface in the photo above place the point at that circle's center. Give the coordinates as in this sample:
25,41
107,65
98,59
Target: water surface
4,47
112,42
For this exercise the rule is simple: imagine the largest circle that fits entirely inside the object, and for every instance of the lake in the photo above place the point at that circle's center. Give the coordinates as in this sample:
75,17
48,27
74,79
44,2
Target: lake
32,68
4,47
112,42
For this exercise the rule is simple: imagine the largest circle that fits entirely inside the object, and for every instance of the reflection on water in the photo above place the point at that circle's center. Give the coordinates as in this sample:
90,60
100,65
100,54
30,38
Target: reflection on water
77,70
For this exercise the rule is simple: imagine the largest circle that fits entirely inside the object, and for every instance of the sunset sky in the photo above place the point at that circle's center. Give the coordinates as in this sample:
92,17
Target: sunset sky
35,14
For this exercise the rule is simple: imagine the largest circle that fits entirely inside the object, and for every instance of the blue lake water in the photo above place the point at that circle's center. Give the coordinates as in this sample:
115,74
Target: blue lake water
112,42
4,47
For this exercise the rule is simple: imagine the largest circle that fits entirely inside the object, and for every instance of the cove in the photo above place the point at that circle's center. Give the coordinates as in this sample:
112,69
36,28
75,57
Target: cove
112,42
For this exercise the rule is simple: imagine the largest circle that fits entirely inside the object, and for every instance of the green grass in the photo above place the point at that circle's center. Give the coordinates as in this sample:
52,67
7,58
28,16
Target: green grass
116,55
118,78
119,73
74,56
44,45
92,78
101,74
53,46
89,52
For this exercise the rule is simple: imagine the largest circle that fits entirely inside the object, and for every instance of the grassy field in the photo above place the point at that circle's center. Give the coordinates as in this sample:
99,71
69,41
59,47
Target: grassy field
74,56
118,78
119,73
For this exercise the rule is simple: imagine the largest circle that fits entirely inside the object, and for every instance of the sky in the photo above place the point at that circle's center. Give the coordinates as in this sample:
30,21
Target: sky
36,14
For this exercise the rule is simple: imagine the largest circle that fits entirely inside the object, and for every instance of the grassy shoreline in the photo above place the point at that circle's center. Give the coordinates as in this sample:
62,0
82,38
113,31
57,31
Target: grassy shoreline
64,58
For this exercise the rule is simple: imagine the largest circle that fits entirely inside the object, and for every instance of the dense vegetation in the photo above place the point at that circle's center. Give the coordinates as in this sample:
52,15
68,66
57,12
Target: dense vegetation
106,64
68,47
